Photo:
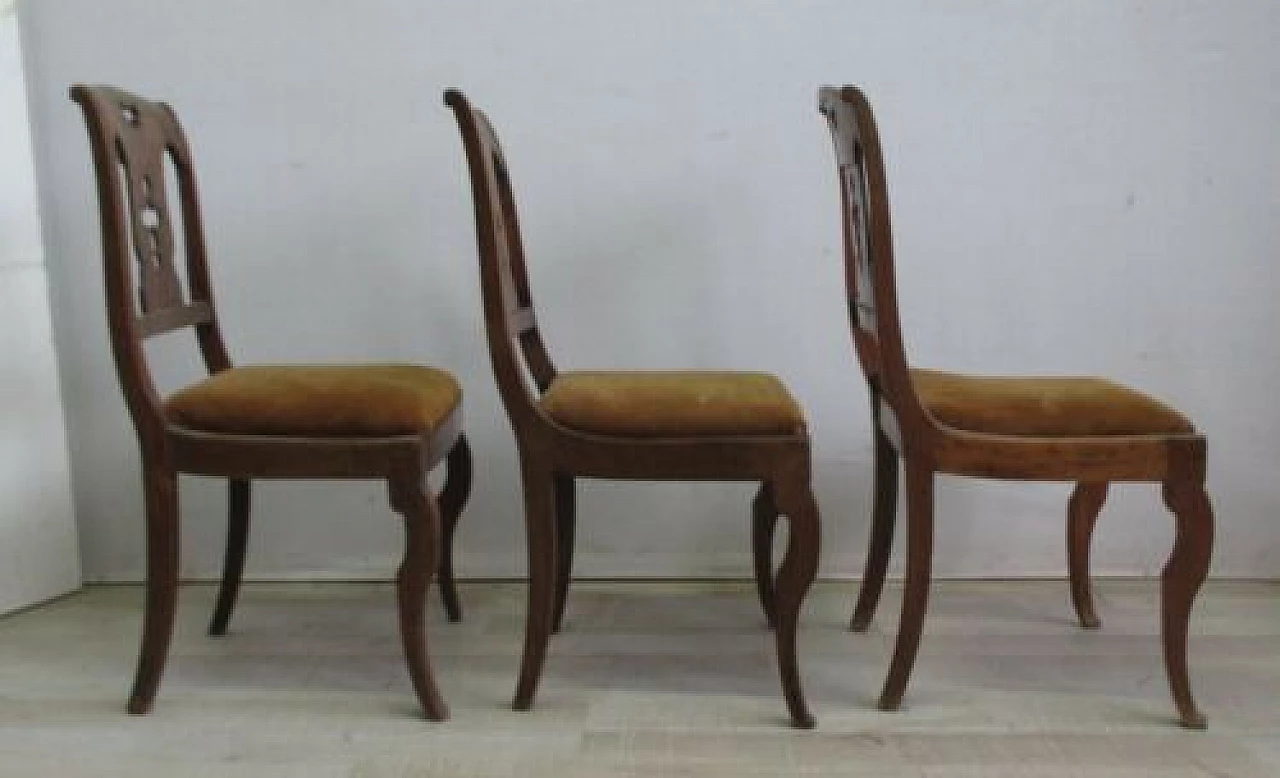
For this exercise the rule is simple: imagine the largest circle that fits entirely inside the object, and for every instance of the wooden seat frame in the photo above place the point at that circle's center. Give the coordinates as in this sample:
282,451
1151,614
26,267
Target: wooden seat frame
133,140
903,427
552,456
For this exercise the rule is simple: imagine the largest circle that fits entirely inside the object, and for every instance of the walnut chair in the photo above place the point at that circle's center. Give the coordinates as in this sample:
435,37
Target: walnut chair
628,425
391,422
1090,431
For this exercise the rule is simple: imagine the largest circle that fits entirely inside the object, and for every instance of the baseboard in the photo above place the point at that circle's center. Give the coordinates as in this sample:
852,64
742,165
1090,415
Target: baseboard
632,566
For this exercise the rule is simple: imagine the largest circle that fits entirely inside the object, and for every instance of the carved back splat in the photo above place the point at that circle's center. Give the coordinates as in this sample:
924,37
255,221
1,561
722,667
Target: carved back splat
509,314
134,140
868,245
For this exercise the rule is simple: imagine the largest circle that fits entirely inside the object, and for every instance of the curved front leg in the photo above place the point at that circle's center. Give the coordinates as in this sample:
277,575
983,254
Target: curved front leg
795,576
1082,514
457,487
764,520
1183,574
421,554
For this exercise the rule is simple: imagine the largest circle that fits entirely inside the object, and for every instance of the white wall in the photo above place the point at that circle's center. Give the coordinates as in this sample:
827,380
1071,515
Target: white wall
1084,187
38,555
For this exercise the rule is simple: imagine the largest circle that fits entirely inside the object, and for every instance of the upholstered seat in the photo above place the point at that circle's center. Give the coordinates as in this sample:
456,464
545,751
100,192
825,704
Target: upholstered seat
1044,406
318,400
673,404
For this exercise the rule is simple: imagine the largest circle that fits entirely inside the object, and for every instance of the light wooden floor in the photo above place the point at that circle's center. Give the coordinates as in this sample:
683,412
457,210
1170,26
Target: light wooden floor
647,680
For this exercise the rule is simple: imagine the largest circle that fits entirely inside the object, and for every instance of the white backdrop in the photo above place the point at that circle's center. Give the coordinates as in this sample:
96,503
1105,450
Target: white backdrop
1085,187
38,555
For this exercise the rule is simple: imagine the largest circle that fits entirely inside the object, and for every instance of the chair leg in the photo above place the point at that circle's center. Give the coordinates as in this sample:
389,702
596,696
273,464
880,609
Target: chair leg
161,496
566,524
457,488
799,565
238,491
1082,514
764,520
884,509
421,557
915,596
539,507
1180,581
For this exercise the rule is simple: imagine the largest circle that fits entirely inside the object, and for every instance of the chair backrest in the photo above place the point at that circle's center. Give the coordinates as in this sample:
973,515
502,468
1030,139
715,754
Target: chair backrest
868,246
515,344
135,142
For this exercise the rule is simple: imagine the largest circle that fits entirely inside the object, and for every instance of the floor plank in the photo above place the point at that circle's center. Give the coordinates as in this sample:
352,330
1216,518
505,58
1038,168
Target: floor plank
648,679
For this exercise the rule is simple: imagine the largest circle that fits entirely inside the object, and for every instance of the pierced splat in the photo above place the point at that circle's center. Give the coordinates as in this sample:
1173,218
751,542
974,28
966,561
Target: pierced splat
142,155
516,301
867,244
854,185
501,227
859,272
136,143
515,292
521,320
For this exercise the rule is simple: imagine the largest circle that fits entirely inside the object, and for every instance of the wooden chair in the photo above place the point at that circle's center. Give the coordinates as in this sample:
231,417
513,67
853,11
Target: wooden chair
392,422
1087,430
630,425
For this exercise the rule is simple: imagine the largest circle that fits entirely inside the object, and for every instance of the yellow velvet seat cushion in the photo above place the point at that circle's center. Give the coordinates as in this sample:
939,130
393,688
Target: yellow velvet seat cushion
673,404
318,400
1044,406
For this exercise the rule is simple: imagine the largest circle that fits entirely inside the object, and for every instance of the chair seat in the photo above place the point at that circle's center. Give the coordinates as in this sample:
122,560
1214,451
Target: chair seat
1044,406
318,401
673,404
